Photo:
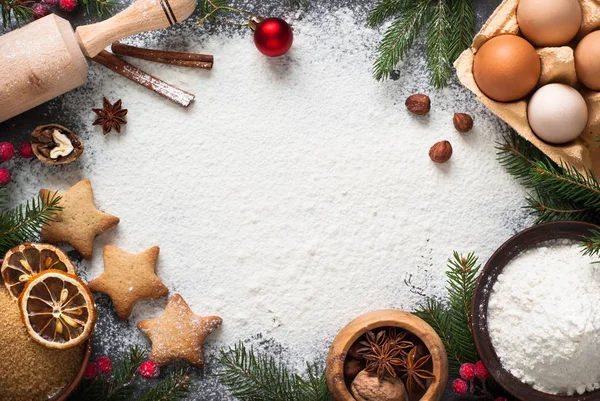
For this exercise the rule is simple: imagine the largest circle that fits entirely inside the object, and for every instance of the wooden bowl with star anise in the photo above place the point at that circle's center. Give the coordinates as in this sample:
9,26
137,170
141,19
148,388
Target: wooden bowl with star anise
387,355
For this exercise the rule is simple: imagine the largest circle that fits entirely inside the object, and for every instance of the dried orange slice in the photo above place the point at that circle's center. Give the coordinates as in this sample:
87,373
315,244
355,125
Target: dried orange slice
26,260
58,309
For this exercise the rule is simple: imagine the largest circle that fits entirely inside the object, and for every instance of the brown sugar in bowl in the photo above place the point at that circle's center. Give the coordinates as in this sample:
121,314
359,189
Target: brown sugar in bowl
64,394
520,242
378,319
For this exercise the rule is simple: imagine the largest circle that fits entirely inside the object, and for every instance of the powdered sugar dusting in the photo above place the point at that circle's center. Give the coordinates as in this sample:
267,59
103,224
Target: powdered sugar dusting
294,194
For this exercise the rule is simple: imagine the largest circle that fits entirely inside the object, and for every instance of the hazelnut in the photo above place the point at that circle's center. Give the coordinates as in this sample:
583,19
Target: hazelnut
418,104
55,144
368,387
352,367
462,122
441,152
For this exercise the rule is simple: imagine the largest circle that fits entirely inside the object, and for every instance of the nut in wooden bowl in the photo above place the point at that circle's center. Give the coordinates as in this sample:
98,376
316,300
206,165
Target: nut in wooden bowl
344,347
527,239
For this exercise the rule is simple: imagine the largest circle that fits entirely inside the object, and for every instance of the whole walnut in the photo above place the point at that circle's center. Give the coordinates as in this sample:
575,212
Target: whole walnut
368,387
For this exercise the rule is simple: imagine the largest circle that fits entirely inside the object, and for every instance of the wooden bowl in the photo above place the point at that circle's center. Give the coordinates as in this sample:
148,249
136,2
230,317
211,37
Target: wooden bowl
524,240
385,318
64,394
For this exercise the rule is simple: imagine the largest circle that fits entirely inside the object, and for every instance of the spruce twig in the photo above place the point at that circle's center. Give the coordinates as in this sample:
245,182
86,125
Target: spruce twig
252,376
15,12
591,245
99,7
174,387
24,223
452,321
450,29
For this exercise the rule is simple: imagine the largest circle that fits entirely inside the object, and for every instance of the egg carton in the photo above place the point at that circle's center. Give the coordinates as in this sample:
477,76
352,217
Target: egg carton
558,66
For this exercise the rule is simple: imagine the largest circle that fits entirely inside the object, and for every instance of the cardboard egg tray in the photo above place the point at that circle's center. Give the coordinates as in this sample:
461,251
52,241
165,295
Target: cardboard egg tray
558,65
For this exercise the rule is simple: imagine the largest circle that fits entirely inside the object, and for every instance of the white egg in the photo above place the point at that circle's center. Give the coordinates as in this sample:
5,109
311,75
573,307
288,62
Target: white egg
557,113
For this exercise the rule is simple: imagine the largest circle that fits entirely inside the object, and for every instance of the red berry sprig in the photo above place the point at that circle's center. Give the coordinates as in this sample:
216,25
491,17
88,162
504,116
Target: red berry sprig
25,150
104,365
472,381
42,8
149,370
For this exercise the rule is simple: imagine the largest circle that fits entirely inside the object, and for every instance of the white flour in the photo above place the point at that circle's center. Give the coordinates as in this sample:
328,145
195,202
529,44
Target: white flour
296,193
544,319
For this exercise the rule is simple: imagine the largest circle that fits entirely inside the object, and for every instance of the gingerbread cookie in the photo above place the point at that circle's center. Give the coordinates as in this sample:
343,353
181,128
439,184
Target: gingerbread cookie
127,278
79,222
179,333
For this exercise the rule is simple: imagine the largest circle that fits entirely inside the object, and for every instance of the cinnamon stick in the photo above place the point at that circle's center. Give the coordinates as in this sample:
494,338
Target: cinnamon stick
192,60
136,75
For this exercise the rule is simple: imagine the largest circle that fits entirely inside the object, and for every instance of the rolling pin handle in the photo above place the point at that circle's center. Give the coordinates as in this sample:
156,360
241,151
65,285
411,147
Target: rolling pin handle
141,16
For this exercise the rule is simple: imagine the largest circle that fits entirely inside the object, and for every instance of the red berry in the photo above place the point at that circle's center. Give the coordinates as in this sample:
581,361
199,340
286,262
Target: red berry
90,371
467,371
149,370
4,176
104,365
459,386
39,10
481,371
7,150
25,150
68,5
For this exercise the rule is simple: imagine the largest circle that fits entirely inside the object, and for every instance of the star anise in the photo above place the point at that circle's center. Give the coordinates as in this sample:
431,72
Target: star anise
111,116
372,340
396,338
412,371
383,359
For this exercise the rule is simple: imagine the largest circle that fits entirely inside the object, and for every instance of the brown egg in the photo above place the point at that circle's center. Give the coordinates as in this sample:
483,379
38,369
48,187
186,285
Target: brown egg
587,60
506,68
549,23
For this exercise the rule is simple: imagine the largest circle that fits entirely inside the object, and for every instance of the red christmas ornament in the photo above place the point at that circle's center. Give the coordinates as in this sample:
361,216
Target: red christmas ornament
273,37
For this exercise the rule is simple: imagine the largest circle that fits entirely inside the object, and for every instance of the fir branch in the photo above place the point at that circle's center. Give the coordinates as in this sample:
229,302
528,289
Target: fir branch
462,278
450,29
116,387
548,207
438,44
24,223
436,314
15,12
174,387
591,244
399,37
566,180
252,376
99,7
463,27
519,156
386,9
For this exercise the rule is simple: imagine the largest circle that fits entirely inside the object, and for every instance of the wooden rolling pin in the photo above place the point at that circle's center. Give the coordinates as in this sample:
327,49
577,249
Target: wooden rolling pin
45,58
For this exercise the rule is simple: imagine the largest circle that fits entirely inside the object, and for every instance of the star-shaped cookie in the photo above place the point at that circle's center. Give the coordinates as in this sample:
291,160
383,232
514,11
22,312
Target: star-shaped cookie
79,222
127,278
179,333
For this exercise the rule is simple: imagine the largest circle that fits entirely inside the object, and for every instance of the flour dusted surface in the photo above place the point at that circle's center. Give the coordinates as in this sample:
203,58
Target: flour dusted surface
544,318
295,193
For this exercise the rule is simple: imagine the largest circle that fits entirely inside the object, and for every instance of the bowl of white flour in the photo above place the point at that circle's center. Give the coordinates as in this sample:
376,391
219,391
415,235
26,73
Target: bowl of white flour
536,314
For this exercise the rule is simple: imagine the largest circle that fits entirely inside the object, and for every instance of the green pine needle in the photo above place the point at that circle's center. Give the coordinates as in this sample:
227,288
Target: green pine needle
253,376
591,245
399,37
450,28
15,13
24,223
99,7
174,387
438,44
452,321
